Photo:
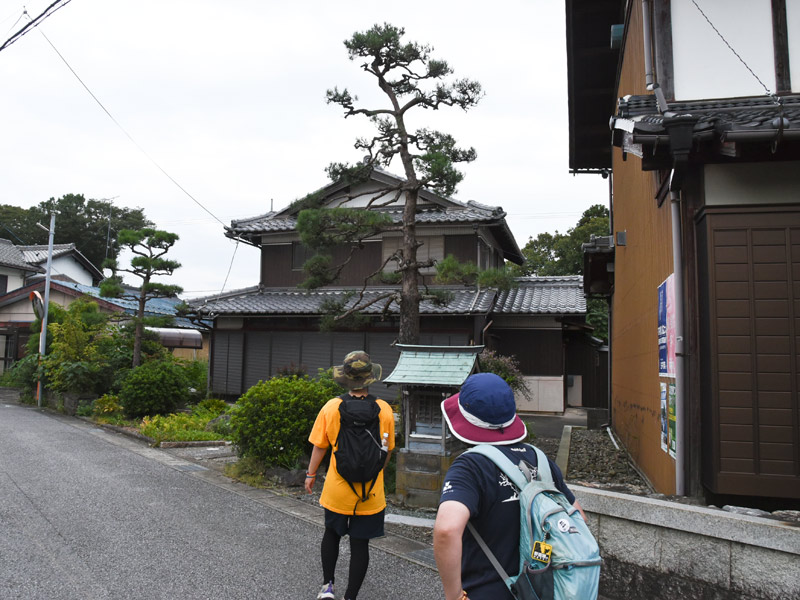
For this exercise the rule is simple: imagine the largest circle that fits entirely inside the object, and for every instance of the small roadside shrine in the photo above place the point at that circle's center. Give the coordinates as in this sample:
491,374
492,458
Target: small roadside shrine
428,375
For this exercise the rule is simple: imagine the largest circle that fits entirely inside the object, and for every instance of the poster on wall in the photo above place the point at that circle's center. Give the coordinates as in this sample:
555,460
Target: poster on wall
671,394
666,327
664,419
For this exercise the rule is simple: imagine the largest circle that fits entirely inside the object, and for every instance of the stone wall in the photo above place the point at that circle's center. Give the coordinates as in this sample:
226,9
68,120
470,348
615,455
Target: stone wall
663,550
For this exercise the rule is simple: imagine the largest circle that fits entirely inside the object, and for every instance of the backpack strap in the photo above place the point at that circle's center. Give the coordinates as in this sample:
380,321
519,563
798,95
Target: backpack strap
543,467
503,463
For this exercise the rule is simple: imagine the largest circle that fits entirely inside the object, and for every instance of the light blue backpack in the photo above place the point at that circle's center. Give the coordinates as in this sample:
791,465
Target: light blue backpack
558,556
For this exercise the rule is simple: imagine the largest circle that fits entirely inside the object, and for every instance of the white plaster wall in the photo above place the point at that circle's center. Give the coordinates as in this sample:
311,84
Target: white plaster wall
575,393
15,279
752,183
704,67
546,395
66,265
793,26
367,192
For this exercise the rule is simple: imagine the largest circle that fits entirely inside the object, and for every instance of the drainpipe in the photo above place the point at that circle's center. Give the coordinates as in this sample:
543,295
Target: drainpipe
677,266
649,75
680,129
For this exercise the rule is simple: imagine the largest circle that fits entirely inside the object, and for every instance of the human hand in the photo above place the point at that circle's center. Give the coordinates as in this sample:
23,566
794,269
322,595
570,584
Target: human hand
309,483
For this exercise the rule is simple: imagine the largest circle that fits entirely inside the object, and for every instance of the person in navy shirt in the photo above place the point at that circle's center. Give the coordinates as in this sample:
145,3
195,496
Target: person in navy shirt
476,490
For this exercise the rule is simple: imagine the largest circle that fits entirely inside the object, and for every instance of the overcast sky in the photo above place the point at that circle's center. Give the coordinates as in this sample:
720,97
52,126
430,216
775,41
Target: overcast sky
228,98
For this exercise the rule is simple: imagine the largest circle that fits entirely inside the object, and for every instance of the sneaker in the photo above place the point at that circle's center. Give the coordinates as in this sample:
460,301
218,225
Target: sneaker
326,592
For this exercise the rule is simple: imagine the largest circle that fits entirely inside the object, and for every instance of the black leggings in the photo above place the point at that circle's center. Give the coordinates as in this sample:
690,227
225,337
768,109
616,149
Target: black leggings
359,561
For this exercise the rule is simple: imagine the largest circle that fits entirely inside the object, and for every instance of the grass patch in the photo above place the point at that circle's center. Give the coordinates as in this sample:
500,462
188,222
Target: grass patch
247,470
180,427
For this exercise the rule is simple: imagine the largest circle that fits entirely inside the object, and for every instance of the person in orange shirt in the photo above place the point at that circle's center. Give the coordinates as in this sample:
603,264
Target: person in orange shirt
354,509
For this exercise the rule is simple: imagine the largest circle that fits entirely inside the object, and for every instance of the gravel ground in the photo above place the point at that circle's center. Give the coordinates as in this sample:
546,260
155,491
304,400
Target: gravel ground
594,461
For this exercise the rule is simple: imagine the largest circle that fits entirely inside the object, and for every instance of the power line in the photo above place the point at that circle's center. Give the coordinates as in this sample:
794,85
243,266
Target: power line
58,4
128,135
769,93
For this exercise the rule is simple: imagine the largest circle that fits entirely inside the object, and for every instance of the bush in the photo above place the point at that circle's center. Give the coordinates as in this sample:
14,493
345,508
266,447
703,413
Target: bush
210,407
197,374
155,388
506,367
23,374
271,422
106,406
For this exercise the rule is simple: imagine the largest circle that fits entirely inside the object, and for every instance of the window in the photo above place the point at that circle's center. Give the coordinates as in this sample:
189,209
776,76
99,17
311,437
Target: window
3,284
300,254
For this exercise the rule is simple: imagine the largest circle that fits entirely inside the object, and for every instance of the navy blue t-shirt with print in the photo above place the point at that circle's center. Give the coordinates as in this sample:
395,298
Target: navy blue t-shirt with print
493,503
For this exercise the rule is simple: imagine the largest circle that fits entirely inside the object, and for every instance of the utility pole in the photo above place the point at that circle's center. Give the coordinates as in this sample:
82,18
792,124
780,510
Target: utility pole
43,335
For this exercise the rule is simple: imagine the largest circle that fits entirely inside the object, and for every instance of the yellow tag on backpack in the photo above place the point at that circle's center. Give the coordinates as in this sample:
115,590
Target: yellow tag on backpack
541,552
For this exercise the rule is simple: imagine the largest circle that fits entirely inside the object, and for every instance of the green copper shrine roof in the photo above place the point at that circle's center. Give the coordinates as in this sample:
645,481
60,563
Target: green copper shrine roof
446,366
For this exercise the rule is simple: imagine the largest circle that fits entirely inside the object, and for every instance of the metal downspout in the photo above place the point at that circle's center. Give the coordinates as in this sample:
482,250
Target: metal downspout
649,76
677,266
647,40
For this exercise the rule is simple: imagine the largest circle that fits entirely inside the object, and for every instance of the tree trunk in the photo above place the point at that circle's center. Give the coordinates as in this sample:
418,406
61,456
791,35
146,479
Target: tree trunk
139,329
409,291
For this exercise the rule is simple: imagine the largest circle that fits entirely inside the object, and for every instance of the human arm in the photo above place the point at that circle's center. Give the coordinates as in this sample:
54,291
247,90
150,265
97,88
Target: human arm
317,454
451,520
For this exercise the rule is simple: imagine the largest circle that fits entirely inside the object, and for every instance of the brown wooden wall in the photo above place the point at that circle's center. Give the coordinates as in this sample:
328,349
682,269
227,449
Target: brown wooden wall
641,266
539,351
276,265
750,289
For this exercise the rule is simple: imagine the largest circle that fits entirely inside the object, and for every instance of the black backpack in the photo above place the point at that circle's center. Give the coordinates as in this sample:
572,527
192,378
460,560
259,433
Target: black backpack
359,455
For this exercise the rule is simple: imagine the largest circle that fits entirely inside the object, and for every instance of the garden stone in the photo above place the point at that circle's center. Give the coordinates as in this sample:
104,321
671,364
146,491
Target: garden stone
223,420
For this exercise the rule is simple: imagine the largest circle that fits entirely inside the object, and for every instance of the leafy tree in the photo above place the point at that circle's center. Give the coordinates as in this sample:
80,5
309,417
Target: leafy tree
91,225
562,254
149,246
409,77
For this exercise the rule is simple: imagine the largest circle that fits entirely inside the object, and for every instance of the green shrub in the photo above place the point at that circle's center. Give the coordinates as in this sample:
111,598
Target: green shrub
155,388
210,407
506,367
23,374
177,428
272,420
197,375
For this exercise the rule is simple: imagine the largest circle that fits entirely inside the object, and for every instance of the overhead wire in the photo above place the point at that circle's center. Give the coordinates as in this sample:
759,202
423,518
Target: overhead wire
124,131
57,5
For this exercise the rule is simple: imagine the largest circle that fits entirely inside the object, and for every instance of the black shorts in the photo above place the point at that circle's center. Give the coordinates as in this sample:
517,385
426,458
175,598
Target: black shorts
360,527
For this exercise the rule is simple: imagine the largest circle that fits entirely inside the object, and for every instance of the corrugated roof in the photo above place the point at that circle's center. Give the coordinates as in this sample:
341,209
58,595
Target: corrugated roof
38,253
434,365
535,295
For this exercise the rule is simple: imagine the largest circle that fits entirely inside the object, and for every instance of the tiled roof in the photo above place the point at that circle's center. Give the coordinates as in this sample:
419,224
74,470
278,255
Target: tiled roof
294,301
535,295
469,212
12,256
756,119
544,295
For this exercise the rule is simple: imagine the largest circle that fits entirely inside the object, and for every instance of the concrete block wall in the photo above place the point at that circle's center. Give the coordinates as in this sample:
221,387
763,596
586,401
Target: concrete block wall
663,550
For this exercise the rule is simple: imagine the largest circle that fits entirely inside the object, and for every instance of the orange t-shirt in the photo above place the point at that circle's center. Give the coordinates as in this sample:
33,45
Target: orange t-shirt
337,495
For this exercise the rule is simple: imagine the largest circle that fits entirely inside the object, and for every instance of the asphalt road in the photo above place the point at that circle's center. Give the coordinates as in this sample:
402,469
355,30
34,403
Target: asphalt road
89,514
